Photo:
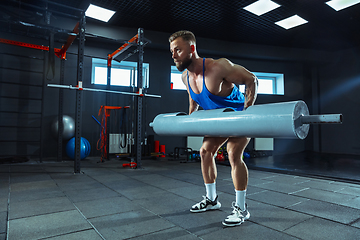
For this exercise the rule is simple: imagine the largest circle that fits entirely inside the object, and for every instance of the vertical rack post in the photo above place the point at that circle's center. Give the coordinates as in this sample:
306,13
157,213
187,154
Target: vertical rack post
42,107
107,101
60,112
139,98
80,70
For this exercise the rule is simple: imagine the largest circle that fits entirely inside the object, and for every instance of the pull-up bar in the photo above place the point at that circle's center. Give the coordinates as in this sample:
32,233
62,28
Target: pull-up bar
123,48
28,45
102,90
134,40
62,53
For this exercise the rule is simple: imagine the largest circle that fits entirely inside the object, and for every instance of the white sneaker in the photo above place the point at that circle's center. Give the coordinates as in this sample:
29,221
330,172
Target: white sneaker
205,205
236,217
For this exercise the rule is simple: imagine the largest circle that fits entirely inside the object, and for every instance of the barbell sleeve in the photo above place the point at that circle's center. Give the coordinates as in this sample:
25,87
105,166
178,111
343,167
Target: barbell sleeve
320,119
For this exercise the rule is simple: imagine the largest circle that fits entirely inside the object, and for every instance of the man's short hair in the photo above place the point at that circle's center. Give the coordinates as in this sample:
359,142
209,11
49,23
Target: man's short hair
185,34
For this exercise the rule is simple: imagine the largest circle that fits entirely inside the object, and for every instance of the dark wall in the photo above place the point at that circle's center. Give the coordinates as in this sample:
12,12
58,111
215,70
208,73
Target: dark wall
339,93
21,79
325,81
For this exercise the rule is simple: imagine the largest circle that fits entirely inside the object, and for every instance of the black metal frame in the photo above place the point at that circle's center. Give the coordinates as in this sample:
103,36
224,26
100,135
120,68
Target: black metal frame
80,70
60,114
139,107
138,100
80,77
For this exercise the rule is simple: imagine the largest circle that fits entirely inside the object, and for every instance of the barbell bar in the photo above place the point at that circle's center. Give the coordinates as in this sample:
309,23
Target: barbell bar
274,120
101,90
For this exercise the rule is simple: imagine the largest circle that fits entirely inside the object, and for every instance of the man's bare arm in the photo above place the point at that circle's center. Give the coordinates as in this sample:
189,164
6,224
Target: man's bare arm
193,106
239,75
251,91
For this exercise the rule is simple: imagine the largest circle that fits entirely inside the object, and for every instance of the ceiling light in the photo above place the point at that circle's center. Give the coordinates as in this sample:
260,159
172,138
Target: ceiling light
291,22
99,13
341,4
261,7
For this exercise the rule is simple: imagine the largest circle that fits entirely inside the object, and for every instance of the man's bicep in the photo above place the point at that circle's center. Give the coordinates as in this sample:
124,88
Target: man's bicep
241,75
234,73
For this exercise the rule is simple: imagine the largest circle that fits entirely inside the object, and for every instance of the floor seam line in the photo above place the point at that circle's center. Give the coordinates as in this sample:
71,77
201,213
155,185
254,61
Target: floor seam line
95,229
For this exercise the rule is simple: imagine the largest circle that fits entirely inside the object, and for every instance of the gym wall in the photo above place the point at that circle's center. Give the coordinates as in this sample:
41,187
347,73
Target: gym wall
319,78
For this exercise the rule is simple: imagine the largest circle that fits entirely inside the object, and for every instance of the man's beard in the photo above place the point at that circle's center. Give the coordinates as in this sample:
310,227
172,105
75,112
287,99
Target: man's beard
181,66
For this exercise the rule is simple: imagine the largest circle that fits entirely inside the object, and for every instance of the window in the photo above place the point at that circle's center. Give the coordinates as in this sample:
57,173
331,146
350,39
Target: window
175,79
269,83
122,74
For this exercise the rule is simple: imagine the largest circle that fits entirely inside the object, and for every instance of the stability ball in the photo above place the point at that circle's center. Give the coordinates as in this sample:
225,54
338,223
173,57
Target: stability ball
69,127
84,148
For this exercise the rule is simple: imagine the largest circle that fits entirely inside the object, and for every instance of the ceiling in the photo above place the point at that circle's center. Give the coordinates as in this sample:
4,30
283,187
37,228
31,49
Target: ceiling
226,20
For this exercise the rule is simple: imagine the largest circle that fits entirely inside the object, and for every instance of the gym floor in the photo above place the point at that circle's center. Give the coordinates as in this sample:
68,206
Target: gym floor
47,201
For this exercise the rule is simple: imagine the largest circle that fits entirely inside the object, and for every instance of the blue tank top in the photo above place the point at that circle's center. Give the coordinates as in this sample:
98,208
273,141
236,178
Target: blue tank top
207,100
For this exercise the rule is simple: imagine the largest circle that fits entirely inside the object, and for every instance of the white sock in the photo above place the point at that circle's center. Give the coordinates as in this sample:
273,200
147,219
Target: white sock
210,191
240,199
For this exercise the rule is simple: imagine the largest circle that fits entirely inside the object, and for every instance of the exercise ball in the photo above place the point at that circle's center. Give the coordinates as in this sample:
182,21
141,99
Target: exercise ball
69,127
84,148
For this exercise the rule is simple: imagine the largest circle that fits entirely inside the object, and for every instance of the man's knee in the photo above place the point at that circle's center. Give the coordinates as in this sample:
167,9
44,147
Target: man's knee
207,150
210,146
235,158
236,148
234,155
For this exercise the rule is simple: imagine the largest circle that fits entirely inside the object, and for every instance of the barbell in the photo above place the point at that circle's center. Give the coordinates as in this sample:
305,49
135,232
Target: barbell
273,120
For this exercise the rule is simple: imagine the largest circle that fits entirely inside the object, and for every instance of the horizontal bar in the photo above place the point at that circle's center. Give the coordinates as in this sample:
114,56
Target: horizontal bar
4,158
23,56
53,29
93,35
17,126
151,95
101,90
121,49
20,70
21,84
62,53
320,119
22,98
28,45
130,54
22,112
62,86
127,56
126,93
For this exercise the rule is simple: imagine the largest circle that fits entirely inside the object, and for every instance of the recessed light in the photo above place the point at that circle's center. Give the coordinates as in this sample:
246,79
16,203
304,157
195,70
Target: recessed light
291,22
262,6
99,13
341,4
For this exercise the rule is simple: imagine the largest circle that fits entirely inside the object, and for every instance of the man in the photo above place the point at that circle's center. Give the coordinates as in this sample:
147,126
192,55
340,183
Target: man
211,84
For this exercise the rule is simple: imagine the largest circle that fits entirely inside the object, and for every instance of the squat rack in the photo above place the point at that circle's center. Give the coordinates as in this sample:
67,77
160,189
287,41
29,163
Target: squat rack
138,41
61,53
79,32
